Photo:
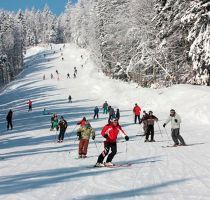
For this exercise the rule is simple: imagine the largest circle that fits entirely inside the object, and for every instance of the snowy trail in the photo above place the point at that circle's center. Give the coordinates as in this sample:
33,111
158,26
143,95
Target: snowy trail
34,167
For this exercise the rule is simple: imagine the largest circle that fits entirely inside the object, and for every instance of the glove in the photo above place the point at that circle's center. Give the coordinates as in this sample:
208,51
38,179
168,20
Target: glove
176,120
126,138
93,138
164,125
106,136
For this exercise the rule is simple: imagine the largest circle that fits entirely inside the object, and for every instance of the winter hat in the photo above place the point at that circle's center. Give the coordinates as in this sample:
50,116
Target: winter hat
62,117
172,110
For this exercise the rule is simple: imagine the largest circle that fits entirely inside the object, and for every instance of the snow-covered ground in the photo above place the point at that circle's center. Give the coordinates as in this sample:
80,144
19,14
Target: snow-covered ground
33,166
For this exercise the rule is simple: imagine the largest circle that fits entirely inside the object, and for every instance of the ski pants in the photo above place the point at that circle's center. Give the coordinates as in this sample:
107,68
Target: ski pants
61,135
105,110
176,136
137,117
107,147
110,117
9,124
95,115
29,108
150,131
83,146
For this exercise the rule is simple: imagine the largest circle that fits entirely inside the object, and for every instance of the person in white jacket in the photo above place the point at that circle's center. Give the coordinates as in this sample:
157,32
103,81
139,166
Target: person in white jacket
175,120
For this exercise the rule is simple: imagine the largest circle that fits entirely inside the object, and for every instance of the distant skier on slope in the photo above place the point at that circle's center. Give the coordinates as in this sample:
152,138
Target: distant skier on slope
54,122
70,99
62,125
29,105
145,125
96,111
137,112
150,120
111,113
175,120
9,120
84,133
117,115
68,75
105,107
110,133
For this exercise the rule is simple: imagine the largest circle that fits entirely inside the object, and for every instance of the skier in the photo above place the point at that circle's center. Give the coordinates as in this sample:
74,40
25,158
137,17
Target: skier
9,120
51,76
175,120
70,99
82,122
137,112
62,125
111,113
118,114
84,133
96,111
44,77
62,58
105,107
81,56
75,76
54,122
150,120
110,133
68,75
56,71
145,125
29,105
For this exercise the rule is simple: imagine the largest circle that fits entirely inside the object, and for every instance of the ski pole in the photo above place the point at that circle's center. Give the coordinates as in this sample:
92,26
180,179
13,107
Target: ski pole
126,151
56,133
160,129
96,146
69,135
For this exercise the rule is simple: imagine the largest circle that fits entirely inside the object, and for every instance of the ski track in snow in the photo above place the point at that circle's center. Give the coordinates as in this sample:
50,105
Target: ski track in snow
33,166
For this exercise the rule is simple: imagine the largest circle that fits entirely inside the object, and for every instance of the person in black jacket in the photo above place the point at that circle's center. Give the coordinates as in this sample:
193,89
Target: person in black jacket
9,120
62,126
117,114
96,111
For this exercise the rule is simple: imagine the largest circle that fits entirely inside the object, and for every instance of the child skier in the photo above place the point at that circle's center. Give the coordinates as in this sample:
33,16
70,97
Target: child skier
29,105
110,133
175,120
62,126
96,111
84,133
9,120
54,122
150,120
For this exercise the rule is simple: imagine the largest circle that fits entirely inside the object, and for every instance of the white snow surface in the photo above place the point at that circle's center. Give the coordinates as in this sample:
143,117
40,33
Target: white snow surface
33,166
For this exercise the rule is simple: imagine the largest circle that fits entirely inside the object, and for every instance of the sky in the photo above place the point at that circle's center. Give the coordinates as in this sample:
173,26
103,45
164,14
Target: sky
57,6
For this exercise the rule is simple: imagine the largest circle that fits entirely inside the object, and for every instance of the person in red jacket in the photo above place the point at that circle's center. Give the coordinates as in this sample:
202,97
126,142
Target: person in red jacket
110,132
137,112
29,105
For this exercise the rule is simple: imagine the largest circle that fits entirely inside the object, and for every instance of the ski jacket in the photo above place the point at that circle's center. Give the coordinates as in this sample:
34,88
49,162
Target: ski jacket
112,132
29,103
86,132
137,110
63,125
172,119
150,119
96,110
118,115
105,105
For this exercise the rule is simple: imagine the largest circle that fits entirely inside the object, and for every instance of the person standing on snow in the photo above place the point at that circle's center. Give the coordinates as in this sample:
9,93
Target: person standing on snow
9,120
137,112
105,107
96,111
84,133
143,119
29,105
150,120
117,114
110,133
175,120
62,125
70,99
82,122
111,113
54,122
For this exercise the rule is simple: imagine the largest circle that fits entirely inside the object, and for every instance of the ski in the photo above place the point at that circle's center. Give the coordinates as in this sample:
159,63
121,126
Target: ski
116,166
168,146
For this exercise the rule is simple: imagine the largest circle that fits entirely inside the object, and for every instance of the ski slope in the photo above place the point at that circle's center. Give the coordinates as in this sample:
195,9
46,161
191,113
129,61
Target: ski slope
33,166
